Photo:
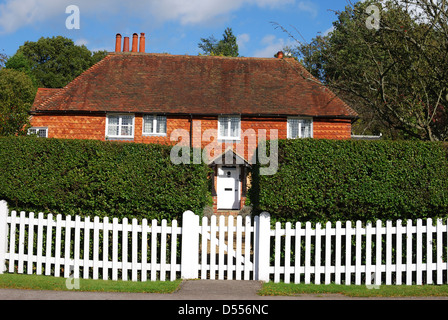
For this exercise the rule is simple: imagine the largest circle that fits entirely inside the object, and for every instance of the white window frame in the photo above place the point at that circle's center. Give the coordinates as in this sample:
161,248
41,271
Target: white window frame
120,115
37,131
300,127
228,120
154,125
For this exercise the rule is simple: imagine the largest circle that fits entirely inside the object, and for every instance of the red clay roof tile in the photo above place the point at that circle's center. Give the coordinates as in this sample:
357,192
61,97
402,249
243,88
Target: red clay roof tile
161,83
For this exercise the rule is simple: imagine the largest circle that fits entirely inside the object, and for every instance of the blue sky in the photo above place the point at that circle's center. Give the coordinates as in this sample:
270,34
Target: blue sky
171,26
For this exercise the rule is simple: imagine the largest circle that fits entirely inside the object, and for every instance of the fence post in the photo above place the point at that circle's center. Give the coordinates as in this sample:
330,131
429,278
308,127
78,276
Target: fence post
263,247
189,263
3,235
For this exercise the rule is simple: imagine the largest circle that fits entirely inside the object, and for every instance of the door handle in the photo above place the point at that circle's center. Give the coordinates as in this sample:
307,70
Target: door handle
228,189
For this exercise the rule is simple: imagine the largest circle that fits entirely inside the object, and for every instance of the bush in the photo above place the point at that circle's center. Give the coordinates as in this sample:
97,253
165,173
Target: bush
323,180
95,178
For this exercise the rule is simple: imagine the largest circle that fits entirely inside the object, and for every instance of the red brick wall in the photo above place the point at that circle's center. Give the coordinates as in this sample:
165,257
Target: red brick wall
94,127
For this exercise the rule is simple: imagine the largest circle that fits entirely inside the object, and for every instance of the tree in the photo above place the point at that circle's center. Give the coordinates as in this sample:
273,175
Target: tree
226,47
17,93
3,58
53,62
396,77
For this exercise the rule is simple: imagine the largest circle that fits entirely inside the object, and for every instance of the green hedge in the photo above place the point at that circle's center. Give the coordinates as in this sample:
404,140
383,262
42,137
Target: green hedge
95,178
323,180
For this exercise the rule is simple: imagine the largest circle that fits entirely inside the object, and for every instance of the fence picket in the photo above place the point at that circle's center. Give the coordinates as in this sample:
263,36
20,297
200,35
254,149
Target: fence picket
419,252
58,249
288,236
358,257
213,230
338,266
96,247
328,266
105,262
21,243
317,249
49,244
398,256
204,242
12,242
429,247
247,248
439,252
221,264
369,254
238,253
230,253
144,269
153,250
86,239
298,249
378,255
348,252
77,245
29,258
409,241
134,250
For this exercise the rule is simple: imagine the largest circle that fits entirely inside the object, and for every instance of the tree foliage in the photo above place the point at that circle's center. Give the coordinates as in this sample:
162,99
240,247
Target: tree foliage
53,62
16,97
227,47
396,77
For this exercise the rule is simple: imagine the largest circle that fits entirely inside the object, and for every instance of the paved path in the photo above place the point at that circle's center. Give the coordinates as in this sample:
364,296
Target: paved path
198,290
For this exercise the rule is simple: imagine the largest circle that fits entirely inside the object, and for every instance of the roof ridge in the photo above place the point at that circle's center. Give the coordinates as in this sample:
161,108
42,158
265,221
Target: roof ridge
71,84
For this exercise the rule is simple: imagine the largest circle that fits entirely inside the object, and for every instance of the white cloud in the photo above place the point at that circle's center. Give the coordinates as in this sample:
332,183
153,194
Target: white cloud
309,7
15,14
271,45
242,40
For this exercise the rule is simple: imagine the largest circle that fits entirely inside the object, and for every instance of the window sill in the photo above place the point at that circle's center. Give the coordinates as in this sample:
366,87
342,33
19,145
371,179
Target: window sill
154,134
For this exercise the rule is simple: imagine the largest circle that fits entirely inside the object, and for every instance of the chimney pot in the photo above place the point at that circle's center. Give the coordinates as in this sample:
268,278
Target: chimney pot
118,43
280,55
142,42
126,44
134,42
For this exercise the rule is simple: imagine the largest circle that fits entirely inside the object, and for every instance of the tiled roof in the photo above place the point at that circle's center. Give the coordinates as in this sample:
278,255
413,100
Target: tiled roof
169,84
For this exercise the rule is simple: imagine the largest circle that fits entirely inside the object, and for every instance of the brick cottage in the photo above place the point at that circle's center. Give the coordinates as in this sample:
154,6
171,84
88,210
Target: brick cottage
225,105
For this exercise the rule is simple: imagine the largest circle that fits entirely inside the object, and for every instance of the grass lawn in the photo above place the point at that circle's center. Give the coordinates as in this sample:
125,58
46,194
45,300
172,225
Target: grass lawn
283,289
33,282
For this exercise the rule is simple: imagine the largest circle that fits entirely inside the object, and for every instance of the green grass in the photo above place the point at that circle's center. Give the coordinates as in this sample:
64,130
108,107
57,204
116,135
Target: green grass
283,289
33,282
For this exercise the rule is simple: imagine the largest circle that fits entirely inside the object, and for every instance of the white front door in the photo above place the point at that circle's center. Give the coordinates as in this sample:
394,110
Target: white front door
228,188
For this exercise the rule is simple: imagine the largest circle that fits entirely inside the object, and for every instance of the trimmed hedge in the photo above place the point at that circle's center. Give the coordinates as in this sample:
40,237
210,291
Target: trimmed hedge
95,178
324,180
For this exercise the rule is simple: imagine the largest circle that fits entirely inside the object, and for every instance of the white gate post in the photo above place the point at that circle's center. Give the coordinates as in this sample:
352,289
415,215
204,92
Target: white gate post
189,264
3,235
263,247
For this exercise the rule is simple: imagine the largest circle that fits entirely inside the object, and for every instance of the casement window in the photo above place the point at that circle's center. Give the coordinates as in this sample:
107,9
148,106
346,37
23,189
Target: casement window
299,128
154,125
120,126
40,132
229,128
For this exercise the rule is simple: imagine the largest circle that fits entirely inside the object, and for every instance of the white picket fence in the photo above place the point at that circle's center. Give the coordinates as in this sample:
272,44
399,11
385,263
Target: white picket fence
236,249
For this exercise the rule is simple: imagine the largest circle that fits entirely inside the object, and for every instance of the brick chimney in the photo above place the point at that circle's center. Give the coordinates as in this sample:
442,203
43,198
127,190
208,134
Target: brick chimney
134,42
142,42
126,44
118,43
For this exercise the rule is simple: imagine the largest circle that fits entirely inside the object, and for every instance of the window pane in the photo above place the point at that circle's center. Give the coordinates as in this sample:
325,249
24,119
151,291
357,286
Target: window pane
235,127
114,120
293,128
306,129
126,121
161,124
113,130
223,127
148,124
42,133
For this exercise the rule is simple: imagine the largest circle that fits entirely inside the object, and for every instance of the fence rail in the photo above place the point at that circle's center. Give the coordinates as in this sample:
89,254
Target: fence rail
411,252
